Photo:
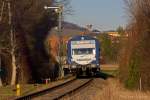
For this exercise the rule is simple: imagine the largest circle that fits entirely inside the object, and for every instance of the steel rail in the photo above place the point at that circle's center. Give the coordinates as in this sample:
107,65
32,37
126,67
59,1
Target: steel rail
59,91
74,90
68,89
42,92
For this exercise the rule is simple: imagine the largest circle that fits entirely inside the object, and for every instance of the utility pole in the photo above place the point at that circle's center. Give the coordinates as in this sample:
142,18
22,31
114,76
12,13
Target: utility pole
59,9
88,28
61,73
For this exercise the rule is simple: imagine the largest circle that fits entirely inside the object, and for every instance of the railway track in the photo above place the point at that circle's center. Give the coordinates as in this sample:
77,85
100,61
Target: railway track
57,92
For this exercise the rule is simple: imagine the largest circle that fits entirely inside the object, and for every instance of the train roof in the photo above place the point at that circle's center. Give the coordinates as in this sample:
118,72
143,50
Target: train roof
82,37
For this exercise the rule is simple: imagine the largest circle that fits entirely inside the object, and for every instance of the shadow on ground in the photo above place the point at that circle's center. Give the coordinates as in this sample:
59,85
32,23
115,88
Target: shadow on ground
101,75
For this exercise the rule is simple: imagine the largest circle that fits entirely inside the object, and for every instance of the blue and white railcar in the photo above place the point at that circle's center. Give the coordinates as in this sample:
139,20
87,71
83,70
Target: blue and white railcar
83,54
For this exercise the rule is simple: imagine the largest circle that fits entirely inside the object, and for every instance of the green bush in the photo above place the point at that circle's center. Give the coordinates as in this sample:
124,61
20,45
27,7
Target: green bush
133,78
109,49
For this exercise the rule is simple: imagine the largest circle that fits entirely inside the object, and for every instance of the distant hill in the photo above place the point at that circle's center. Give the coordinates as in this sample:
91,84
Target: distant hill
70,29
68,25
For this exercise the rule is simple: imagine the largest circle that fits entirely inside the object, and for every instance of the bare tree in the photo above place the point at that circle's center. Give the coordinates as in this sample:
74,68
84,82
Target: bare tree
26,35
137,51
12,50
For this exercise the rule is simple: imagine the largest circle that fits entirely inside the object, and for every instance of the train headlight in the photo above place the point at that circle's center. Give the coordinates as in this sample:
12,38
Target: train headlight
93,66
73,66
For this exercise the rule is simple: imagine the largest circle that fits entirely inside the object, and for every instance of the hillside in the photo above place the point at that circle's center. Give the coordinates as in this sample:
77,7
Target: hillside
69,29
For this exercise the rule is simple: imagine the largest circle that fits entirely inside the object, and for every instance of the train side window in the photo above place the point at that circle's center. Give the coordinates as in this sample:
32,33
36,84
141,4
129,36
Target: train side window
94,52
72,52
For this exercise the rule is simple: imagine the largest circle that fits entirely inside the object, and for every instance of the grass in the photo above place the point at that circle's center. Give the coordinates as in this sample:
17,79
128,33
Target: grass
115,91
111,69
111,72
111,89
10,91
7,92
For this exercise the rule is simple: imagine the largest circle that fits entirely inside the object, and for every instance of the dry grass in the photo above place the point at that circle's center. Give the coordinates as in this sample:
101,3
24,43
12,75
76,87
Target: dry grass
115,91
109,90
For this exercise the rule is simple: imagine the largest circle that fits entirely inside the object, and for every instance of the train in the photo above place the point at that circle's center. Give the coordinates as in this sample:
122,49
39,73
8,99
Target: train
83,55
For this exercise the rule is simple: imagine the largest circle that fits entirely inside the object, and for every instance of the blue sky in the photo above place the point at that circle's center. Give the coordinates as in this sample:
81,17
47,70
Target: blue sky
102,14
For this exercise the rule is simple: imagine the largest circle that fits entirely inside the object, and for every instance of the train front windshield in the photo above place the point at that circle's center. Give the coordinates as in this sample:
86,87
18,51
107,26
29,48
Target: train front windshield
84,51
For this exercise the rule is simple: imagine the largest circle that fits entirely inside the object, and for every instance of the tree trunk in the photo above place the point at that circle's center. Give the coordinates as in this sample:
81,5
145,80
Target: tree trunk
0,70
13,58
1,82
13,46
13,79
